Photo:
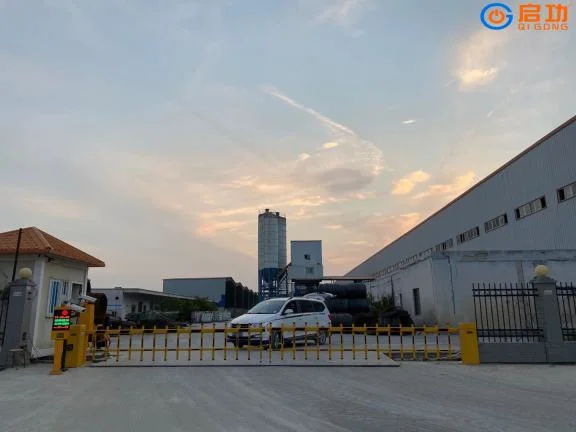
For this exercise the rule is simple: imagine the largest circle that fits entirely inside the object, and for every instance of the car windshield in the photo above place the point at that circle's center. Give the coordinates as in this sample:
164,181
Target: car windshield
267,307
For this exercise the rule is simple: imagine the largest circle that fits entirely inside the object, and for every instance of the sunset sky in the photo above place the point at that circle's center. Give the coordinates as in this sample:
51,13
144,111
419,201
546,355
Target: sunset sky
150,133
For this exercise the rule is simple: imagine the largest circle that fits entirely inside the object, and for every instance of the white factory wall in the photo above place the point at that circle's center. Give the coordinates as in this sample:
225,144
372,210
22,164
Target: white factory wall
540,171
137,303
114,300
306,259
445,280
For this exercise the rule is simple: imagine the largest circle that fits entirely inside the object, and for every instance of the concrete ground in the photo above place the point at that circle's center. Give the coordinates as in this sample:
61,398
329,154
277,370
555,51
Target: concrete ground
417,396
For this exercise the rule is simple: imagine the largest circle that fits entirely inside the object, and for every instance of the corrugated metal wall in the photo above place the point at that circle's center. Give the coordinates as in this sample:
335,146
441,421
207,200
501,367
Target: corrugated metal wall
540,172
212,288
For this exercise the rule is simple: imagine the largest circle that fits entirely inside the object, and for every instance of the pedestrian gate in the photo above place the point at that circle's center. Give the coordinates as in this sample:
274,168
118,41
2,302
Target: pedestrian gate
531,322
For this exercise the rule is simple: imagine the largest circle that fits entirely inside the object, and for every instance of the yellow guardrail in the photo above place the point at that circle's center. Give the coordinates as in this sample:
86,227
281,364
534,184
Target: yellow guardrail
227,343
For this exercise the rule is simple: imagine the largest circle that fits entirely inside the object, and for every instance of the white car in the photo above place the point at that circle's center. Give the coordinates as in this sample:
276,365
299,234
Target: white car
293,313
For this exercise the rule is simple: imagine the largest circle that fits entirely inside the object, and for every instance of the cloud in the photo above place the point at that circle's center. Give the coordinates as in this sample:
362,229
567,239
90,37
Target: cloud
332,125
449,190
334,227
383,229
353,163
303,156
44,205
406,122
357,242
210,228
478,60
344,13
406,184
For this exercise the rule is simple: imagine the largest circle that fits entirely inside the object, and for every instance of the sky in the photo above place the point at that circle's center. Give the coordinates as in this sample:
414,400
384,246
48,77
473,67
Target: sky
150,133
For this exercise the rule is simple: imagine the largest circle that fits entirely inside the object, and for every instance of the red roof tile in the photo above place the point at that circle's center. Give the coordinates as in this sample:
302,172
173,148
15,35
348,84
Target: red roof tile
36,241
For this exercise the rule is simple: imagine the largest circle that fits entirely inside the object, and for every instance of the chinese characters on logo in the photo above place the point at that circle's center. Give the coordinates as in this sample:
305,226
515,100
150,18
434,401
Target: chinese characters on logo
553,16
531,16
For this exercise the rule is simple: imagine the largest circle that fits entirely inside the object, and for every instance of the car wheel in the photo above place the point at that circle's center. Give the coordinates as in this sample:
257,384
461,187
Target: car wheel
275,340
322,336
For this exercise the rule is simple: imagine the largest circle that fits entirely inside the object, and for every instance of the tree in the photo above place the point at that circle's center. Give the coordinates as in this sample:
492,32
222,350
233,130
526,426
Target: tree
185,307
385,304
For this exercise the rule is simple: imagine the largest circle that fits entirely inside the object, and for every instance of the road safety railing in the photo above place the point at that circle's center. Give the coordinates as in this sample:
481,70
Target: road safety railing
268,344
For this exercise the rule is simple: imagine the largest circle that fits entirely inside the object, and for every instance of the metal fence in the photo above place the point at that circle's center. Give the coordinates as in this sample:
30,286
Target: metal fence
506,312
566,294
223,344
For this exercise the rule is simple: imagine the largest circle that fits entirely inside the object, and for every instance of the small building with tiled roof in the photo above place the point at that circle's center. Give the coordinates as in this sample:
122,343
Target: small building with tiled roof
59,270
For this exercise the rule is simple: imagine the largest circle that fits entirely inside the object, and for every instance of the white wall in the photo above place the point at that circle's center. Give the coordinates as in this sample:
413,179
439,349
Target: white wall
302,268
134,300
446,280
114,300
59,269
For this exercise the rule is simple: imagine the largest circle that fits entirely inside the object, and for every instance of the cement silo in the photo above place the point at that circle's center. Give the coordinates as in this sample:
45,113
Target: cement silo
271,252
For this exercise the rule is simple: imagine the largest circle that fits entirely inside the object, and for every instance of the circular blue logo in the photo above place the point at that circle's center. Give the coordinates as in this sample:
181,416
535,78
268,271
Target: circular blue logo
496,16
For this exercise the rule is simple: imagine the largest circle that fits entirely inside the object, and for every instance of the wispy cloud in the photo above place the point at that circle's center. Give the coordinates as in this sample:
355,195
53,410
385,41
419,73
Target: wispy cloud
334,226
406,184
449,190
330,145
362,153
210,228
407,122
383,229
303,156
478,62
344,13
45,206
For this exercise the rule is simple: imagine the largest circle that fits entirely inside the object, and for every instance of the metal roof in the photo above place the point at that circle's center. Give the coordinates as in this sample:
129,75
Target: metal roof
142,291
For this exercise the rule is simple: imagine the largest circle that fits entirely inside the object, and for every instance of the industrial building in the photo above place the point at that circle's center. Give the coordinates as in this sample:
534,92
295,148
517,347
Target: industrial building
521,215
224,291
305,271
122,301
271,252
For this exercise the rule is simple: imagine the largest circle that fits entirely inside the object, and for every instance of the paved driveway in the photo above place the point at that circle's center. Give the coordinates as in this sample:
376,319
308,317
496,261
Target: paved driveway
441,397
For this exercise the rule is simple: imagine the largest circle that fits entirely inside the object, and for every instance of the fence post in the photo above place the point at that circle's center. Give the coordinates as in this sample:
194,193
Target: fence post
469,344
547,308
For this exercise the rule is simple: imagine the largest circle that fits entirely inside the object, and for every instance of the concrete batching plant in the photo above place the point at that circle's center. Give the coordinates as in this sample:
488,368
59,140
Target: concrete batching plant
271,252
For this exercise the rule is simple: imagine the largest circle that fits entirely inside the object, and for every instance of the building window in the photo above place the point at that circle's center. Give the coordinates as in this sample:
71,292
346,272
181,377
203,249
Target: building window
309,270
53,296
530,208
133,308
566,192
445,245
416,298
468,235
307,257
139,307
495,223
58,294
